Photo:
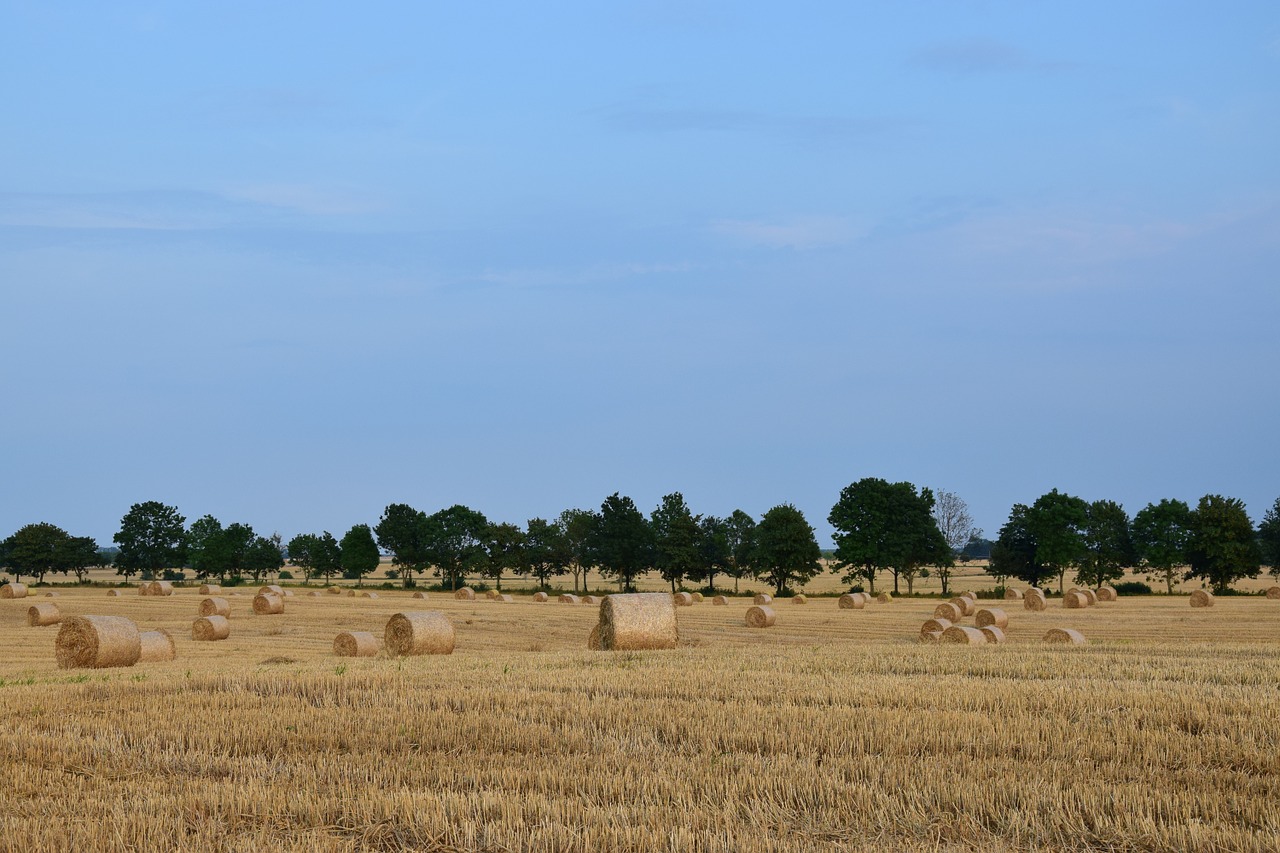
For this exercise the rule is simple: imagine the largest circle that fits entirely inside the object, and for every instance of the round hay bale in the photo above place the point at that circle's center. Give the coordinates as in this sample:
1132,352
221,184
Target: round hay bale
334,590
1011,594
1273,592
97,642
211,628
271,589
351,593
991,616
160,588
313,594
420,595
144,589
885,598
1107,593
1065,635
1075,601
935,625
964,635
697,597
13,590
156,646
368,594
1034,601
491,594
113,593
45,613
1091,597
214,606
356,644
465,594
966,605
969,594
52,594
595,599
930,636
948,610
593,641
541,597
638,621
762,598
422,632
210,589
568,598
761,616
503,597
682,599
799,599
994,635
265,604
1202,598
851,601
720,600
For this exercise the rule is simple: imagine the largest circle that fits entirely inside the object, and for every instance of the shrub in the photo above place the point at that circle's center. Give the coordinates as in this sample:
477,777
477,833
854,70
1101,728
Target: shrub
285,575
1132,588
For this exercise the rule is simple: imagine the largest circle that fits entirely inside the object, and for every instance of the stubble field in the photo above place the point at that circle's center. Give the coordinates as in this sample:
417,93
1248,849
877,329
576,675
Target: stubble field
833,730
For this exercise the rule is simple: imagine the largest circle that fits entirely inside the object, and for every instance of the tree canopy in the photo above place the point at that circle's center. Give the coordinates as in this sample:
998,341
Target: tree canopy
1161,534
151,538
359,552
882,525
1222,549
1108,544
786,550
675,540
621,541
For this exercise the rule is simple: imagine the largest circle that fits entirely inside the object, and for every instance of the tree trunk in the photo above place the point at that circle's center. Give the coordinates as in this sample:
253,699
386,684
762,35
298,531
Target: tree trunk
895,581
911,585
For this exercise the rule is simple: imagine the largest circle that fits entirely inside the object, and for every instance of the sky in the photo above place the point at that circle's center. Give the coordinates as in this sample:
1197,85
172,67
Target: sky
288,263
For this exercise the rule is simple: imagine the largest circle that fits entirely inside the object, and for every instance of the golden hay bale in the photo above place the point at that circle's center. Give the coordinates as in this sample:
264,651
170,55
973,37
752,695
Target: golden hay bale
851,601
356,644
465,594
720,600
144,589
313,594
761,616
52,594
266,604
935,625
799,599
682,599
503,597
1202,598
13,590
419,595
113,593
211,628
334,590
637,621
698,598
1090,596
964,635
96,642
568,598
156,646
1065,635
967,605
1011,594
214,606
288,593
491,594
762,598
969,594
271,589
1075,600
1107,593
994,635
1034,601
885,598
949,611
368,594
1273,592
593,641
991,616
46,613
351,593
541,597
160,588
421,632
930,636
595,599
210,589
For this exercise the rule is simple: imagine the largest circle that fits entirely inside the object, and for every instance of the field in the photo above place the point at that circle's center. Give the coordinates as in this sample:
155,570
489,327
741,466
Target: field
834,730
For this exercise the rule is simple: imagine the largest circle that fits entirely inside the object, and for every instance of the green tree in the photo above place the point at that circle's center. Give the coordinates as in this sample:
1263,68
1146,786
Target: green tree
34,550
786,549
1161,534
951,515
151,538
455,539
327,556
261,556
78,554
1108,544
1223,548
546,551
359,553
504,550
1057,522
302,553
675,539
213,550
713,551
1269,538
407,534
1013,554
881,525
621,541
740,532
578,526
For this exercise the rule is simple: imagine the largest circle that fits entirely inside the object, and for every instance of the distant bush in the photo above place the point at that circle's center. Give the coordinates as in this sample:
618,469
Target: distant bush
173,575
286,575
1132,588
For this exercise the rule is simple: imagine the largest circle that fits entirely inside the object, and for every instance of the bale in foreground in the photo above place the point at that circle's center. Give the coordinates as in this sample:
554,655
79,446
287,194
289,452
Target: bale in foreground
1201,598
935,626
13,590
1011,594
39,615
722,600
210,589
1107,593
799,599
762,598
266,604
761,616
539,597
1273,592
271,589
993,634
214,606
1065,635
885,598
682,599
160,588
991,616
156,646
465,594
421,632
97,642
964,635
211,628
948,610
638,621
1034,602
592,599
966,604
356,644
851,601
568,598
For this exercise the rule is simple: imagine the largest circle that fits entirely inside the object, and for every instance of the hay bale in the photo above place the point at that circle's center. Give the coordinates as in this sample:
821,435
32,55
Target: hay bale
1075,600
762,598
799,599
697,597
465,594
368,594
161,588
682,599
13,590
52,594
97,642
1091,597
720,600
1065,635
1202,598
1034,601
540,597
761,616
949,611
851,601
211,628
271,589
156,646
966,605
991,616
935,626
1011,594
351,593
45,613
334,590
568,598
994,635
1273,592
491,594
288,593
356,644
1107,593
113,593
964,635
421,632
885,598
313,594
638,621
210,589
969,594
266,604
503,597
930,636
144,589
420,595
595,599
214,606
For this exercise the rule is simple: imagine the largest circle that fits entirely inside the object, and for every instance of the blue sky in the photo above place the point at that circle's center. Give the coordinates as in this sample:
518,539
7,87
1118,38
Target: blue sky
287,263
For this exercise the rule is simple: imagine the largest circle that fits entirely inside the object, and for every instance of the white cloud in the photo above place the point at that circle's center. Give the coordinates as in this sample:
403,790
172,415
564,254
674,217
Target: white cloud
310,200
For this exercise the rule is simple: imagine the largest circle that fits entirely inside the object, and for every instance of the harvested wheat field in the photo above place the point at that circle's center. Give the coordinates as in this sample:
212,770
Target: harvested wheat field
836,729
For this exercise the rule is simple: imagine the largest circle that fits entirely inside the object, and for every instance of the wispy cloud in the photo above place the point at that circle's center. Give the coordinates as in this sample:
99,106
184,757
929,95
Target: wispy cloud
806,232
649,119
308,199
984,56
592,274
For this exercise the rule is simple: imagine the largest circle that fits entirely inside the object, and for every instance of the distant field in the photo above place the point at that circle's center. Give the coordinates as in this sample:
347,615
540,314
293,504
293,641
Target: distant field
834,730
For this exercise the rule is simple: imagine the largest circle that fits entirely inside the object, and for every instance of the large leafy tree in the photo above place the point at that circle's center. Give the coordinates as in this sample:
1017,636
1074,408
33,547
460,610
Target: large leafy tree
407,533
359,553
1057,522
578,527
1108,544
1223,548
455,539
621,541
675,539
151,538
954,521
1269,538
504,550
302,549
327,556
546,551
213,550
786,551
713,550
1161,534
740,535
882,525
35,550
1013,554
78,554
262,556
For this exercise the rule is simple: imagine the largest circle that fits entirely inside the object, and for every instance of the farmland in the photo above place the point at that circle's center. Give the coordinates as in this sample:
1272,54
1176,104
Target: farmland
833,730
